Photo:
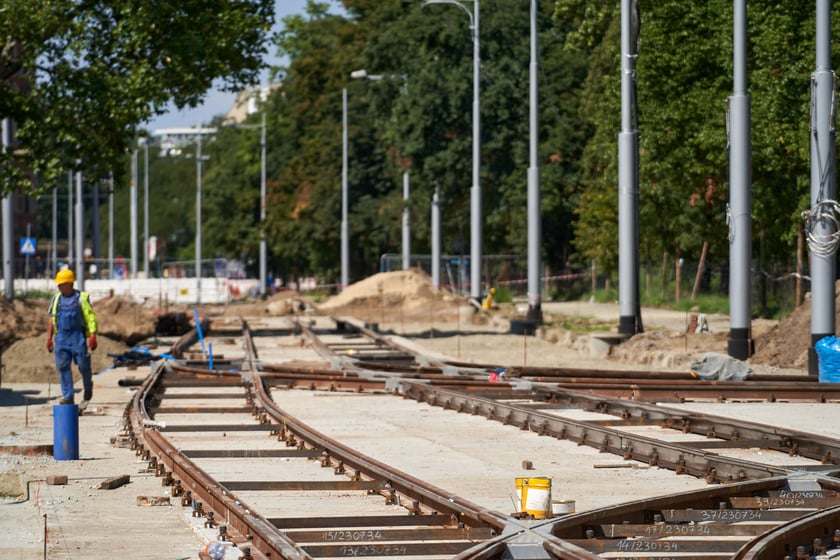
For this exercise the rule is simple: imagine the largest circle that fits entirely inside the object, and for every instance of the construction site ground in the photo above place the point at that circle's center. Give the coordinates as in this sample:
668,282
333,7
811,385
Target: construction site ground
79,520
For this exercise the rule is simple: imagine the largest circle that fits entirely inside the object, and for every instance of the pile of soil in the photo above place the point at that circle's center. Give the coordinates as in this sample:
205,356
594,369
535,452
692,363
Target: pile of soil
22,319
27,360
122,324
786,344
123,319
407,292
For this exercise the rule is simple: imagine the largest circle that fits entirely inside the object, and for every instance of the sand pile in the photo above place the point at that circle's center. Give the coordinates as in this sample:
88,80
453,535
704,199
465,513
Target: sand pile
786,344
27,360
412,289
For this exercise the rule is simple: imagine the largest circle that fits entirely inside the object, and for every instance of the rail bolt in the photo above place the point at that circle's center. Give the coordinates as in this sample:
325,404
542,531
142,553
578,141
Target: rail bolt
210,522
167,480
186,500
198,509
246,553
177,489
819,548
223,536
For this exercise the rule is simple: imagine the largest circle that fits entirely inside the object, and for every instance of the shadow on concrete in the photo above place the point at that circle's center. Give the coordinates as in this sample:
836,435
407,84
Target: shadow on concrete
9,397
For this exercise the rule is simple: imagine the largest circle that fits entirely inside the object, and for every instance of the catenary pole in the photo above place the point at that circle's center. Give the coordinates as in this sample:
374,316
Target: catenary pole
8,231
80,233
198,219
111,224
406,226
534,211
740,203
70,243
476,222
436,239
630,317
146,208
823,184
263,242
133,214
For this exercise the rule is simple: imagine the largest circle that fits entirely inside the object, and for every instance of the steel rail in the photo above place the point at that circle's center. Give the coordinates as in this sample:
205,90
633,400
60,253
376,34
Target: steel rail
632,413
682,459
414,488
643,529
262,535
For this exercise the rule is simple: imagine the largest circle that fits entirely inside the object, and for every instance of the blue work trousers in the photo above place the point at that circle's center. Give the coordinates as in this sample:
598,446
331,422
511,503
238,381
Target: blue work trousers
72,347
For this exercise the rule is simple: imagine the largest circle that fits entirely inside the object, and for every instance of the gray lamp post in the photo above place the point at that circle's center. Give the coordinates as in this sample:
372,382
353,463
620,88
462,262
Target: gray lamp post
145,144
406,218
475,191
133,216
345,229
263,249
198,219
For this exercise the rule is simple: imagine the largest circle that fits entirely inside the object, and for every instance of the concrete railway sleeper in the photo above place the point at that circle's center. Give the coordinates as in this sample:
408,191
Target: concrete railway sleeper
759,512
433,522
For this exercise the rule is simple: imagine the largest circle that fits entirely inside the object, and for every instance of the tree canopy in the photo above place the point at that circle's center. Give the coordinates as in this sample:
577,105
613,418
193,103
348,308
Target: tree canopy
417,118
78,77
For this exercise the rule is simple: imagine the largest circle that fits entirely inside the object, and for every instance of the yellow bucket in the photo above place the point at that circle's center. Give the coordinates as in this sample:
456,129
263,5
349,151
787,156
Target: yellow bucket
534,496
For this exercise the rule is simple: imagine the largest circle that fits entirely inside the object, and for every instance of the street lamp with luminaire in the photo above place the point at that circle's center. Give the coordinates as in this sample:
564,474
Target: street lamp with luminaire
263,248
196,133
475,191
406,219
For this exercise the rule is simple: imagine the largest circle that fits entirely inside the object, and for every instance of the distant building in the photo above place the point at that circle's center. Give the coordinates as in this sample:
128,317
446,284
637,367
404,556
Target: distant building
173,140
247,102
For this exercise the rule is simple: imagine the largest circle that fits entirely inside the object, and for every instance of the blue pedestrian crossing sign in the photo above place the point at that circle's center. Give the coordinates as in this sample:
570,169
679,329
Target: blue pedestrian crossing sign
27,245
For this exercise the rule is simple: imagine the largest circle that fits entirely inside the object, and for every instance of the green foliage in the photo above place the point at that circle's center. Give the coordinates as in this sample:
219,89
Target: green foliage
684,71
78,78
418,119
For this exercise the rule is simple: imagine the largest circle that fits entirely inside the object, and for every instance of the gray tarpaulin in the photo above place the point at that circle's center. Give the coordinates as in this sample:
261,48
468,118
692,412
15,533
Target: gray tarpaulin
720,367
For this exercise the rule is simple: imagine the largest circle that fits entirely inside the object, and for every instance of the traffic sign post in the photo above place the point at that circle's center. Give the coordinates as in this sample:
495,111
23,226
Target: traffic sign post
28,245
27,248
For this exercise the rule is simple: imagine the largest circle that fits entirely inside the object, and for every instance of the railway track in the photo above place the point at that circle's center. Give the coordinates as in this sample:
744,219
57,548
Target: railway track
277,487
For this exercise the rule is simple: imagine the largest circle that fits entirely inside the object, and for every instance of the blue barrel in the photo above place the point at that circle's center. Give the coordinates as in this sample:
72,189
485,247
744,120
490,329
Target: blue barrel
65,432
828,352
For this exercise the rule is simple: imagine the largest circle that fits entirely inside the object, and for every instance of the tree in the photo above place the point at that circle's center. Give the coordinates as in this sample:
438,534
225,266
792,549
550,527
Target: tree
78,77
684,76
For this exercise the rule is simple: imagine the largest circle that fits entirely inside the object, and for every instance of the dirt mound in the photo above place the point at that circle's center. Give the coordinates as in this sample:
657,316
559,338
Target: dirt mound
669,349
27,360
123,319
410,288
22,319
786,344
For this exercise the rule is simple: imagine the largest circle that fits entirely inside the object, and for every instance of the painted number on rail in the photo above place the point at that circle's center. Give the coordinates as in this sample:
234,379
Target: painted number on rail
731,515
373,550
778,502
681,529
628,545
337,536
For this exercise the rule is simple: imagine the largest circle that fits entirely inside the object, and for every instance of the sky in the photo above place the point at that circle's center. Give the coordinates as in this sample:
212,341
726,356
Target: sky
218,102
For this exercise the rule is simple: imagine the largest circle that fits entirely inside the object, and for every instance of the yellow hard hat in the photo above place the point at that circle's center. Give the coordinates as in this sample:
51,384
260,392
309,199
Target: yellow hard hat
64,276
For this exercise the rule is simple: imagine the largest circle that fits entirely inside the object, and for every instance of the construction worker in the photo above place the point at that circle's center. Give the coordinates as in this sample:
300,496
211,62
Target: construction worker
73,323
